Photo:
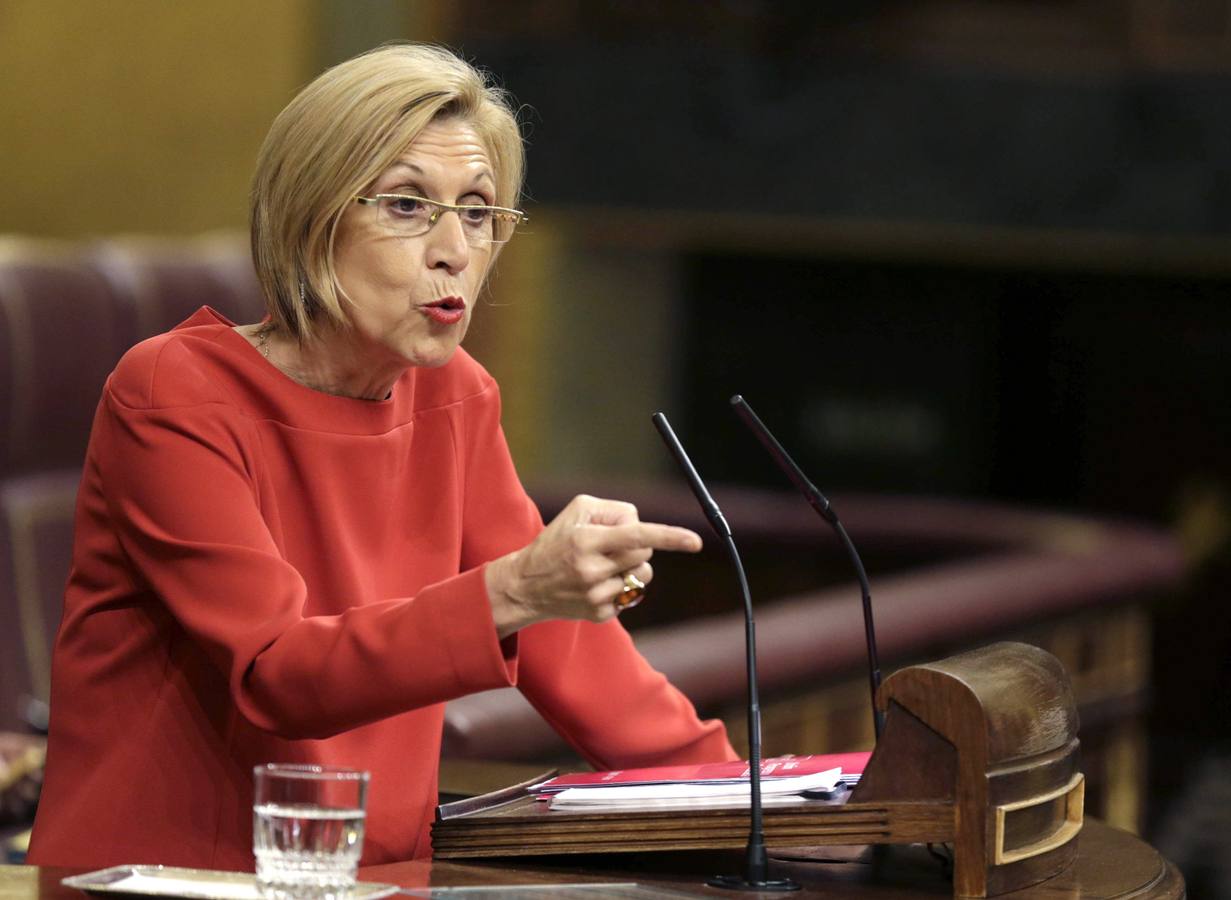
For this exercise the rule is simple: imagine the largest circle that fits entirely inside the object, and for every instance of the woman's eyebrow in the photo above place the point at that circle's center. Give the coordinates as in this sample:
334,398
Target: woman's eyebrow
400,164
483,175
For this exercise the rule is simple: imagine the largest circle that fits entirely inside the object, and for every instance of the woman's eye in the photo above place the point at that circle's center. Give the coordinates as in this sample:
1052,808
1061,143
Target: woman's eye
405,207
476,215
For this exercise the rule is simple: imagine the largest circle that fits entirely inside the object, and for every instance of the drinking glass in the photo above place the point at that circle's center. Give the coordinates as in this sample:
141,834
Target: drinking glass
307,830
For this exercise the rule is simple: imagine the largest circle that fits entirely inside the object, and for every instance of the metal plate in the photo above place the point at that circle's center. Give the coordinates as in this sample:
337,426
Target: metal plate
196,884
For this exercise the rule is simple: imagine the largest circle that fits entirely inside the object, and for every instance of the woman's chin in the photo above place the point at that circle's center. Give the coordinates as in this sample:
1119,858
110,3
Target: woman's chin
431,355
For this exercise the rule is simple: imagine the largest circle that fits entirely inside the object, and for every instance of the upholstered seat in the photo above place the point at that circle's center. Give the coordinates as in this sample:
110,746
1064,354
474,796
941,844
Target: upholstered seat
67,313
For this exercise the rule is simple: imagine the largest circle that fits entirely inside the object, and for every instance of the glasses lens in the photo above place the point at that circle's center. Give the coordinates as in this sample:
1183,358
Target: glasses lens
503,225
477,223
407,216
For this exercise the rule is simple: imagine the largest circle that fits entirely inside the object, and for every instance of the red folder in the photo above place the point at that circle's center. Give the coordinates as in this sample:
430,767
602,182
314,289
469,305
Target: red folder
711,773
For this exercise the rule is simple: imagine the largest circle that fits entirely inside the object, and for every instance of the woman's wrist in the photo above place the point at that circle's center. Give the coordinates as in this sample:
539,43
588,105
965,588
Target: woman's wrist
507,613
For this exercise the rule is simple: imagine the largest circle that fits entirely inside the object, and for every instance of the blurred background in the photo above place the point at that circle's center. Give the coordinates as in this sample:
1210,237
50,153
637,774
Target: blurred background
978,249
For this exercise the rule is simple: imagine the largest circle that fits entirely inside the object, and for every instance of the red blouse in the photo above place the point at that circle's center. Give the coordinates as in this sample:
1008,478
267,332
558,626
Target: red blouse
267,573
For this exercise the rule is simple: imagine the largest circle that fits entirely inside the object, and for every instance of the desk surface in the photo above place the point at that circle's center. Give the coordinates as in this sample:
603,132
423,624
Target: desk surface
1110,864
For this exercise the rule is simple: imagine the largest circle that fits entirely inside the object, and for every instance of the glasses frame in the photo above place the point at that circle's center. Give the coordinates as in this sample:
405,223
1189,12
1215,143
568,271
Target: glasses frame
439,208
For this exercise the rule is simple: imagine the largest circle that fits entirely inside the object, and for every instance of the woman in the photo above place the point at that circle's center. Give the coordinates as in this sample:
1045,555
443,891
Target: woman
296,540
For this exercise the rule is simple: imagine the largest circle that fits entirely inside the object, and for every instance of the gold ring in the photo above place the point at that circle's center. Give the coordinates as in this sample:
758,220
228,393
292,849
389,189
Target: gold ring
630,594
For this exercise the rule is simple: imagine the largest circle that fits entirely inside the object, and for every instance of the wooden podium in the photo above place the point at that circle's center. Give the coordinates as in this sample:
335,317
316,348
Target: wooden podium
979,751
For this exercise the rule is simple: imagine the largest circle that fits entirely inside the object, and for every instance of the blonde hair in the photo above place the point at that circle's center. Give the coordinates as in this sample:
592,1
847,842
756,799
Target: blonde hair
336,137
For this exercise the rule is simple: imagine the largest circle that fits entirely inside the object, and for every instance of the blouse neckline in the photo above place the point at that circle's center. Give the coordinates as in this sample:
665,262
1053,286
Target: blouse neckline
302,406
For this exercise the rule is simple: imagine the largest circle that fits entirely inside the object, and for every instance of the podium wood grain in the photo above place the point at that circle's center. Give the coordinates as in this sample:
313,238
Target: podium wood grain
1109,864
807,823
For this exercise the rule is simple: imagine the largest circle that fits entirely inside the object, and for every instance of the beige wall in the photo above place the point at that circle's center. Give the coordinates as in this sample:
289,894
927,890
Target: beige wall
141,115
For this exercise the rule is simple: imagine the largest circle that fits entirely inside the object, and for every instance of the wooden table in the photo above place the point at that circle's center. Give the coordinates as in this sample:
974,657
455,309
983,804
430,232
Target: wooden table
1110,864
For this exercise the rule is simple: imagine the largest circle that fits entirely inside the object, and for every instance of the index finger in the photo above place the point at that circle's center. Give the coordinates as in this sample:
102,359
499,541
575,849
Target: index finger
641,535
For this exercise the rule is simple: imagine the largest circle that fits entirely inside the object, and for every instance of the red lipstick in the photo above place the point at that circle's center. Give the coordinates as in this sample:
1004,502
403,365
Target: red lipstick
446,311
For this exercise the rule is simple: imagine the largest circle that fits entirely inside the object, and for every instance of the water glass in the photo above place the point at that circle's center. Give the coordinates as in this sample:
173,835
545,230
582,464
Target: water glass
307,830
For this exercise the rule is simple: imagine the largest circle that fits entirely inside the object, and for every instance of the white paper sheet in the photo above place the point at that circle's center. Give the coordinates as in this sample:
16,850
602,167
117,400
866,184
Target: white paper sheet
693,794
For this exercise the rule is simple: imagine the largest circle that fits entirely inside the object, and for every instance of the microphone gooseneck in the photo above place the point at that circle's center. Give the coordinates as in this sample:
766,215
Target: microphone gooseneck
820,503
756,859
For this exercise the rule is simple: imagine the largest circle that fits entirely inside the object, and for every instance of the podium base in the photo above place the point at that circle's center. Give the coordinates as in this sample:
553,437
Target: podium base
736,883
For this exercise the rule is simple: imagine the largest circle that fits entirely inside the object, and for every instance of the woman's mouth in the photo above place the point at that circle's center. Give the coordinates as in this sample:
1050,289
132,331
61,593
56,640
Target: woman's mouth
446,311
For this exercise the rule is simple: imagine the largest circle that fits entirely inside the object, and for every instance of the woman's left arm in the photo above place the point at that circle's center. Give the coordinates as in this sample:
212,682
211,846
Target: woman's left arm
585,678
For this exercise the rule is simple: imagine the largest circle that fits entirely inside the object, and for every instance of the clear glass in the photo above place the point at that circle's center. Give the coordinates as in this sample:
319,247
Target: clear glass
410,216
307,830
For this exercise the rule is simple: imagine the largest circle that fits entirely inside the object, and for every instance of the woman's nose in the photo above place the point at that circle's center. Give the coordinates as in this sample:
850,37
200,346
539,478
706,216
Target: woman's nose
447,246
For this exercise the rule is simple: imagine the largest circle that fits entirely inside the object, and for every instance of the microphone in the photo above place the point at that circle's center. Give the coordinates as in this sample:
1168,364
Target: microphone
756,858
821,504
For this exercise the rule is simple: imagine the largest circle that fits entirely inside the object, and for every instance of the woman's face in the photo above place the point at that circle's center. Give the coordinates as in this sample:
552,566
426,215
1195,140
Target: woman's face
407,291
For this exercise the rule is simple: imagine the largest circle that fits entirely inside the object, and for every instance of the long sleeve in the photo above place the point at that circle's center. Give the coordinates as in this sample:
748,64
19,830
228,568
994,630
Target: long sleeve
590,683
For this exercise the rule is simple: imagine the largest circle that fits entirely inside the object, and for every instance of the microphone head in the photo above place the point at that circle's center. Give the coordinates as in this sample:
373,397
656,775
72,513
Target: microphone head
782,459
708,506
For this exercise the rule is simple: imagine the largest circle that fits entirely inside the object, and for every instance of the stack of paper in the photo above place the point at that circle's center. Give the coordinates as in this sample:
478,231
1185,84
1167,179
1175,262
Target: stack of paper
682,795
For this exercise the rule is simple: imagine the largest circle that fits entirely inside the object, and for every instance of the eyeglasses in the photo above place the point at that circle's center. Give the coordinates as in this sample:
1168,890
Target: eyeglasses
410,216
